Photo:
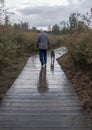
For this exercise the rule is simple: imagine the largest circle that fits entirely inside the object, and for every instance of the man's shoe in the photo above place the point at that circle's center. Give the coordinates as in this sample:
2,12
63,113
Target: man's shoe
45,65
41,66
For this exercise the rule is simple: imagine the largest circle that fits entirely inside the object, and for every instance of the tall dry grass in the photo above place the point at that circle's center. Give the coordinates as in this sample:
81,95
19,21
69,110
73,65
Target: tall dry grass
80,48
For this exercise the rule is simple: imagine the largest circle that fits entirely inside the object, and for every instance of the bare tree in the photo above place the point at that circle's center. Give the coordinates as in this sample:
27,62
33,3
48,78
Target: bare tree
1,2
1,10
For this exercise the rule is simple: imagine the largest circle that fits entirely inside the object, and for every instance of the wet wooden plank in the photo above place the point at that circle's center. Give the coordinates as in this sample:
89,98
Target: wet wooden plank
62,123
44,128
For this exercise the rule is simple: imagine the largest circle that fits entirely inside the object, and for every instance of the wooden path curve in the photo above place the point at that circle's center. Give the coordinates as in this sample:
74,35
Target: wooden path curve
42,99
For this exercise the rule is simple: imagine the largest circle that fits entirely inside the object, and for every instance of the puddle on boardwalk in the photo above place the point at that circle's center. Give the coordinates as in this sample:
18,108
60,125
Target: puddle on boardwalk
49,81
42,84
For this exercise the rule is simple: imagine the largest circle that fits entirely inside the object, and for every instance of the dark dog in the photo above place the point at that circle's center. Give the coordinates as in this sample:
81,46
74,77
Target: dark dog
52,57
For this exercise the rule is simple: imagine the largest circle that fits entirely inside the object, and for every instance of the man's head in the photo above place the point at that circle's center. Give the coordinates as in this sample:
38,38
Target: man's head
41,30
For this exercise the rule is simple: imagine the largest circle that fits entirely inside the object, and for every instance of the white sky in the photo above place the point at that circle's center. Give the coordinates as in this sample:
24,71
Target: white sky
17,3
42,13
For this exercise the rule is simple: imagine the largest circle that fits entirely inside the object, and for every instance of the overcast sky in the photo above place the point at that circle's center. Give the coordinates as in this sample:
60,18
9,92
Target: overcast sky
42,13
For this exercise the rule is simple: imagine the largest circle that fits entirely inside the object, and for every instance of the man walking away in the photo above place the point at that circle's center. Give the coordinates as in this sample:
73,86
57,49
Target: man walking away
42,45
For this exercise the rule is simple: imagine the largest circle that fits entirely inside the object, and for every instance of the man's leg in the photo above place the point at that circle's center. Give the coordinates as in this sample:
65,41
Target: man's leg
41,56
45,56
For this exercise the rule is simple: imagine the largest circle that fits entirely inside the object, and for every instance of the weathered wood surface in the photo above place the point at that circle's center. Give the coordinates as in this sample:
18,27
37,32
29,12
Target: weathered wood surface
42,100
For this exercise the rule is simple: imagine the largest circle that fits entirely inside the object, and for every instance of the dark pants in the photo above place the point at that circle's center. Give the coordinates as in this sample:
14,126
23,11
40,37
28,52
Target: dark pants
43,56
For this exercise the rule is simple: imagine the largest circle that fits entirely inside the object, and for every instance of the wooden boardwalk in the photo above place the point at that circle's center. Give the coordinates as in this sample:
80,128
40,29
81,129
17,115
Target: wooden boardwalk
42,99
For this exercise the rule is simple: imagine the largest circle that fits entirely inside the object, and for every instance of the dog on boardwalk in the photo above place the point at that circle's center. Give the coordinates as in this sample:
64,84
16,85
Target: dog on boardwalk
52,57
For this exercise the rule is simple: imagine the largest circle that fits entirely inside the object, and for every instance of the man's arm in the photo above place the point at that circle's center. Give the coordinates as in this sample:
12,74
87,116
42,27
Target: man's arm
48,40
38,40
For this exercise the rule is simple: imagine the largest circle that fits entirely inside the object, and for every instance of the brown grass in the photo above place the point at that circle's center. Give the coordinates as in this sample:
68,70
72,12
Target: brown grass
81,80
10,73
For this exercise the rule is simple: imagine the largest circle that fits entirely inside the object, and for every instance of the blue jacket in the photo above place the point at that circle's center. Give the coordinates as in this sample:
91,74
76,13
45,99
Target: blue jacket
43,41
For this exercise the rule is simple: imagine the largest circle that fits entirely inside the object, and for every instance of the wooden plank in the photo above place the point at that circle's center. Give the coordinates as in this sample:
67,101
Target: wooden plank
62,123
31,108
42,113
